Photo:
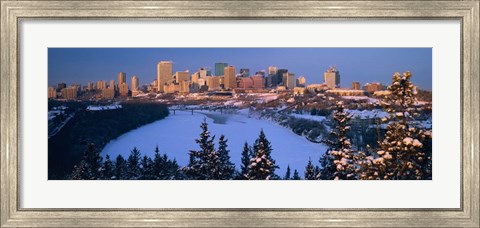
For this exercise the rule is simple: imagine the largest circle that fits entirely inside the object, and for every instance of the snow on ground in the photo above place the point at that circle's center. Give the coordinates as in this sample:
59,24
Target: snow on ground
362,98
308,117
176,134
105,107
54,113
367,114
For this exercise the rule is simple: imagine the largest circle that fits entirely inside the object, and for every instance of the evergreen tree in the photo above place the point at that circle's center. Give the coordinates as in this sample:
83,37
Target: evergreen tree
327,168
262,166
404,151
287,174
339,148
227,167
133,164
246,156
158,165
146,168
120,168
90,167
81,172
93,160
310,173
107,168
296,176
204,163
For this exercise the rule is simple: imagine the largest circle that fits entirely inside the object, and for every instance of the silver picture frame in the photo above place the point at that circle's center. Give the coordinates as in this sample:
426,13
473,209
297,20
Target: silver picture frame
13,12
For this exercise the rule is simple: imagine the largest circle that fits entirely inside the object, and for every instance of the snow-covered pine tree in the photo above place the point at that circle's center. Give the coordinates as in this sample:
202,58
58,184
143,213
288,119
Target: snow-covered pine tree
296,175
287,174
339,147
81,172
133,164
245,161
90,167
227,167
402,155
310,173
120,168
202,161
262,166
107,168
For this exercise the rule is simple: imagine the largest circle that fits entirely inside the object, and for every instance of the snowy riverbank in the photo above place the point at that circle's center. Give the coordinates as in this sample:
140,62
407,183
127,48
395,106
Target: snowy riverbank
176,134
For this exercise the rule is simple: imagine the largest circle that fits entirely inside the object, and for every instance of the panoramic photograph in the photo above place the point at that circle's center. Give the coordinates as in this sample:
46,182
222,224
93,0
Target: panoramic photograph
240,114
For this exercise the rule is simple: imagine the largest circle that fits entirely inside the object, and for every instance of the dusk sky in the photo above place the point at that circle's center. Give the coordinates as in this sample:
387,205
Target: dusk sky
81,65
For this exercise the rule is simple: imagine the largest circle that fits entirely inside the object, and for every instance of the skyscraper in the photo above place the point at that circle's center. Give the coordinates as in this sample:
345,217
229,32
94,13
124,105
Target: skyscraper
220,69
289,80
182,76
122,78
134,83
112,84
123,89
301,81
164,73
332,77
230,81
101,84
356,85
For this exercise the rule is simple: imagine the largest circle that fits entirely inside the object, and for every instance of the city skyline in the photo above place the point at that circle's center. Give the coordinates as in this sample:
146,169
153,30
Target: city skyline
83,65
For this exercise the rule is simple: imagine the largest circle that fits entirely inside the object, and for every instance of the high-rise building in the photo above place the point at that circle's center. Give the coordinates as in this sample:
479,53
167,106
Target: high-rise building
182,76
52,92
70,93
101,84
356,85
123,89
278,78
373,87
332,77
213,82
90,86
230,80
109,93
301,81
61,86
245,72
272,70
220,69
112,84
122,78
164,73
289,80
135,86
202,72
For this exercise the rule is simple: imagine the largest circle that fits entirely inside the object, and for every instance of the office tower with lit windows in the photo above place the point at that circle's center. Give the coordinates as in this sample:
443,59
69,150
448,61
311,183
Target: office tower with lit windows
332,77
230,80
135,85
164,74
182,76
122,78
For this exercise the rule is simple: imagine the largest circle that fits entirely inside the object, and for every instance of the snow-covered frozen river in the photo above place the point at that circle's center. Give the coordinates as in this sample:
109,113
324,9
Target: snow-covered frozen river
176,134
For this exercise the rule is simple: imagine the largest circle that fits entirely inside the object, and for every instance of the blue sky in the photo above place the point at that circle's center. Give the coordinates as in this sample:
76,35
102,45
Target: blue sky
81,65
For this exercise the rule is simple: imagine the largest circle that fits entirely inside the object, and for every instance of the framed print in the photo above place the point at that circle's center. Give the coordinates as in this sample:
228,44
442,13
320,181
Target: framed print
231,113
